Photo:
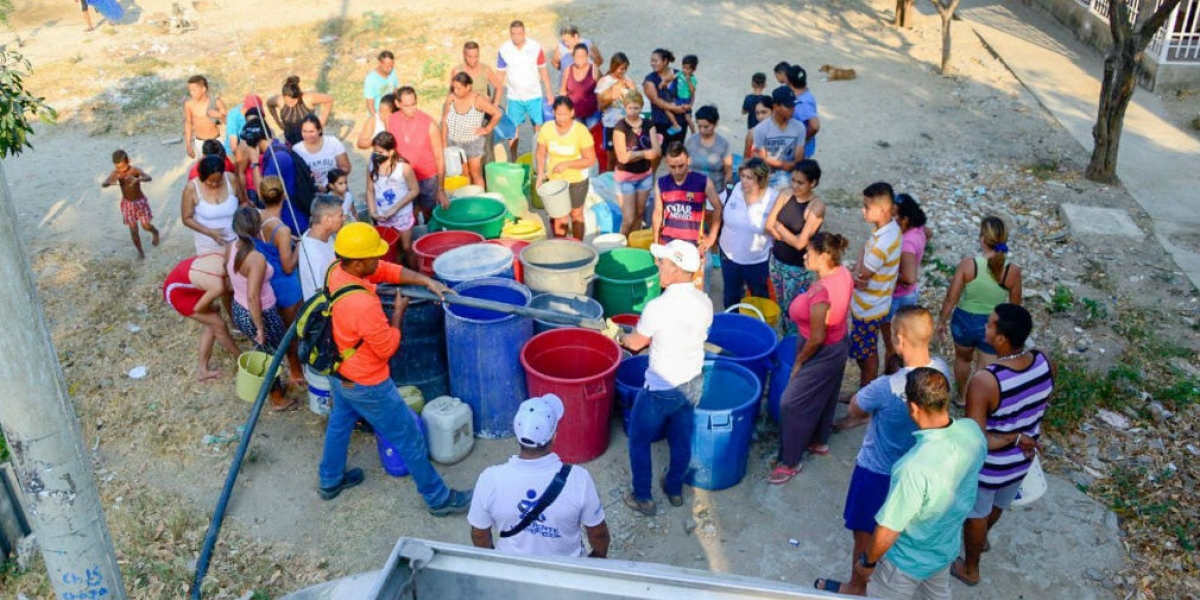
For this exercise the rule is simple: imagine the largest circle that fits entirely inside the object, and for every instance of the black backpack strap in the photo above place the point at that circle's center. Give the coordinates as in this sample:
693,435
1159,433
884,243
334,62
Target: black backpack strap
548,498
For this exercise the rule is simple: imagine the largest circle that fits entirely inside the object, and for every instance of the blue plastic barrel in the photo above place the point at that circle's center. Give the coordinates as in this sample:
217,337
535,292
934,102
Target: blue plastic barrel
631,378
746,341
484,350
473,261
389,457
421,359
724,425
781,371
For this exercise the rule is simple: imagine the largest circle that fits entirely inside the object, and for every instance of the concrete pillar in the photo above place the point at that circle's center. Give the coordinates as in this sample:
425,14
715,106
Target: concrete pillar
54,468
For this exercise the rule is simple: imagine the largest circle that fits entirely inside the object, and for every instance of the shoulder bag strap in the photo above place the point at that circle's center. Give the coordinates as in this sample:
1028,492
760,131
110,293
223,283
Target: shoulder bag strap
543,503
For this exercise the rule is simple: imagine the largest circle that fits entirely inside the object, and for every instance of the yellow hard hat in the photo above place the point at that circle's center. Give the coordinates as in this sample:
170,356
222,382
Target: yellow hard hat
359,240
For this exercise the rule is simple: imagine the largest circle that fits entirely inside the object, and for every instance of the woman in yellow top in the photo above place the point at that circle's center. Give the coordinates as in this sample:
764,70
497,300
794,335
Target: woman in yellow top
565,150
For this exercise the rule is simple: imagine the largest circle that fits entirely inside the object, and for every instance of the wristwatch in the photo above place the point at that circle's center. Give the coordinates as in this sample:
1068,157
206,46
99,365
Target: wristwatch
862,561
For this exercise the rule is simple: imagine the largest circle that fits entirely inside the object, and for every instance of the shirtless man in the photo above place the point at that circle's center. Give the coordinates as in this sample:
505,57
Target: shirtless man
202,114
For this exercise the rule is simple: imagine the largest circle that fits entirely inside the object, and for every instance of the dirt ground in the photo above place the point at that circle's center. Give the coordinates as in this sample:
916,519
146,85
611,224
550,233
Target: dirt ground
972,144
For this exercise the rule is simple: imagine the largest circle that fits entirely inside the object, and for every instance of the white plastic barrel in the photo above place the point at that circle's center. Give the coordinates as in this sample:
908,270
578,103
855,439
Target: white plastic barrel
449,431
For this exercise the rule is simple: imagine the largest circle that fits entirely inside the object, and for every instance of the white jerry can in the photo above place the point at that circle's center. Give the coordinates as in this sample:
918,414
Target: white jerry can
450,433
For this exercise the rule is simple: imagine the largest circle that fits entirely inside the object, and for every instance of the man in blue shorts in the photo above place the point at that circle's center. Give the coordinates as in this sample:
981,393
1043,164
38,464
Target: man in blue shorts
889,435
522,65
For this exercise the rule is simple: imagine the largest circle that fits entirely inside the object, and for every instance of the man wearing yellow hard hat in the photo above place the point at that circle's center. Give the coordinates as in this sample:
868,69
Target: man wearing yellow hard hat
362,388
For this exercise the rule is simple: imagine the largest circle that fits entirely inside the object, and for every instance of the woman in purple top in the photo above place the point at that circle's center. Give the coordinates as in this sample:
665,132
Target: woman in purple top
579,84
913,238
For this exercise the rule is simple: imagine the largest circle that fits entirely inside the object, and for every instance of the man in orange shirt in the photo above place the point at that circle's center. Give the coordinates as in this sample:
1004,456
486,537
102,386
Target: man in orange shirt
362,388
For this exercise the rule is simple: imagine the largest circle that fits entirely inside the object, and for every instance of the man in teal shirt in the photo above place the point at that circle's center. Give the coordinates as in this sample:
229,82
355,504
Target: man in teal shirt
380,81
932,490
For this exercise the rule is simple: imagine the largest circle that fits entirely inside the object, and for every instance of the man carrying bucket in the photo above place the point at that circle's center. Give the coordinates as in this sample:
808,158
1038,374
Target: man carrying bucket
362,387
674,326
540,506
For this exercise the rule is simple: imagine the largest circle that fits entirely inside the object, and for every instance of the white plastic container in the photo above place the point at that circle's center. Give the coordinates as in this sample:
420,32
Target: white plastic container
448,425
320,401
608,241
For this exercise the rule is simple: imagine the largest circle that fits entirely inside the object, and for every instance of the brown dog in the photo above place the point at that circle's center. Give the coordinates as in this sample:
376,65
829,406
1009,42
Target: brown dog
836,74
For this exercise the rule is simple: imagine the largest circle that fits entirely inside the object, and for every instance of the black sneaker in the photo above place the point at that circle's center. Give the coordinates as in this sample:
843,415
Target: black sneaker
350,479
457,502
645,507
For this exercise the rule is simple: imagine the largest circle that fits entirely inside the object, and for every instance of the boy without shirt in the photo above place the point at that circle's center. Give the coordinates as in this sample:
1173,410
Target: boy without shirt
134,207
202,114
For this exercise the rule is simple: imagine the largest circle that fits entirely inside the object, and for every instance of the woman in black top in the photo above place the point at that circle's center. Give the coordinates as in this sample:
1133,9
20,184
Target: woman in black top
291,106
792,223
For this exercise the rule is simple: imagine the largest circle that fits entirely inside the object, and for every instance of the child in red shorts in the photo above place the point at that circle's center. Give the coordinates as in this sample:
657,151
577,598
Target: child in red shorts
134,207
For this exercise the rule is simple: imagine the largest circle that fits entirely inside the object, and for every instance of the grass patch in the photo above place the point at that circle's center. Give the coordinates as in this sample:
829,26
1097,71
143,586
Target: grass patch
1062,300
3,448
1043,169
1078,392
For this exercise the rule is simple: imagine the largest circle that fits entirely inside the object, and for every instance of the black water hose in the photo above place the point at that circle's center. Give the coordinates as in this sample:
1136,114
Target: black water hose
214,526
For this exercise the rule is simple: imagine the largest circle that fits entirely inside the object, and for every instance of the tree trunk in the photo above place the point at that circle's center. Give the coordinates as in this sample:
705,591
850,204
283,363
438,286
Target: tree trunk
947,19
1118,84
904,10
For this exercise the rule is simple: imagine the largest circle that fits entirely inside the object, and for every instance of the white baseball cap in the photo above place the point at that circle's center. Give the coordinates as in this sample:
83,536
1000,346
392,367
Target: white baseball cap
537,420
683,254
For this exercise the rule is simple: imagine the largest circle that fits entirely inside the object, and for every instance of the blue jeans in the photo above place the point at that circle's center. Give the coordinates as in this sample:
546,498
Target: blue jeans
737,277
381,406
651,410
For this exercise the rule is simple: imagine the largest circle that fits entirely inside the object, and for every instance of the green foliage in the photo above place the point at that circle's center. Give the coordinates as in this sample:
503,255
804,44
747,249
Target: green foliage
1095,311
3,448
1078,392
17,106
1062,300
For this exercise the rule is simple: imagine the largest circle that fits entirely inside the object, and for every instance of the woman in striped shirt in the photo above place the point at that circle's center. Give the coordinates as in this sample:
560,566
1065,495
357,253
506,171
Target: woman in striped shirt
1008,399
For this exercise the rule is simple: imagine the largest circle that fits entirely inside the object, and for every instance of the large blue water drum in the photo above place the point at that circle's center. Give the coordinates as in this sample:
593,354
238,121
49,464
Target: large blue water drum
631,378
746,341
724,425
484,350
473,261
781,371
421,359
389,457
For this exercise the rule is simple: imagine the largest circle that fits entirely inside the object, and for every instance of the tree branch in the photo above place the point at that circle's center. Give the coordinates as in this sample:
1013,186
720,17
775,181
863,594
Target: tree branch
1151,24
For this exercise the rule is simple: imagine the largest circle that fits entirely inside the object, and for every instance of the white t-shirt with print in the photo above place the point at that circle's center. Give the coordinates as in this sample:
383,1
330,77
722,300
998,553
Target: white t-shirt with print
677,324
521,66
322,161
505,492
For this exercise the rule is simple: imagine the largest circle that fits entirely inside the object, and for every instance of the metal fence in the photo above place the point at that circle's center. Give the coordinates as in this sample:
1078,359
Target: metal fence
1179,39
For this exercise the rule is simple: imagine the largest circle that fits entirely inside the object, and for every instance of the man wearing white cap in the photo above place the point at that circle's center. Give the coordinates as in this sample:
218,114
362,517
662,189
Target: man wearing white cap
675,326
540,506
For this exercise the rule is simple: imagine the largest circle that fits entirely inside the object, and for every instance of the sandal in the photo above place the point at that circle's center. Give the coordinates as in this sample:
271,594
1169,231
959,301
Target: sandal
289,407
819,449
783,474
827,585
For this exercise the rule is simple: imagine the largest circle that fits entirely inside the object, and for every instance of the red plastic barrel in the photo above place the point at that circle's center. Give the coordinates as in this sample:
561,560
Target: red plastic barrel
432,245
579,366
516,246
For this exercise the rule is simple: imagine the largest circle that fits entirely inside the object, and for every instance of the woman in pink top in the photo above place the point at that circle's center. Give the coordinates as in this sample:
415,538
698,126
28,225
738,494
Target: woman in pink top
807,404
913,237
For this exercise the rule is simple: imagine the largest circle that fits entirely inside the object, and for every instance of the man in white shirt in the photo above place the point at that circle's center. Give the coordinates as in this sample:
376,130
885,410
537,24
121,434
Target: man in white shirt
316,246
508,496
674,326
522,65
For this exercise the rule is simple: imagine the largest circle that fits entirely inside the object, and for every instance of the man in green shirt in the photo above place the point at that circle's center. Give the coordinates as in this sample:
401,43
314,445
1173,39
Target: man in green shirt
932,490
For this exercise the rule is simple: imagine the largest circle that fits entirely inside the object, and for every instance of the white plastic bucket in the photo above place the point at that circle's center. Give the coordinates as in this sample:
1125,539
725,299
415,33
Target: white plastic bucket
608,241
469,191
1033,486
320,401
555,198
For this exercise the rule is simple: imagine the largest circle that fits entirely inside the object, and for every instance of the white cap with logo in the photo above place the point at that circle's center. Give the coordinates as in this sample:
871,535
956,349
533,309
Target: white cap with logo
683,254
537,420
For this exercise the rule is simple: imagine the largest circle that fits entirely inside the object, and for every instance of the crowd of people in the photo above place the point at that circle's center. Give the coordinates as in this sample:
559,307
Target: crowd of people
274,221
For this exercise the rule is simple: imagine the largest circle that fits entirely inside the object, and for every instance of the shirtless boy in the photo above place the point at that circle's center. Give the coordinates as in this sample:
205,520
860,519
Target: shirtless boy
202,114
134,207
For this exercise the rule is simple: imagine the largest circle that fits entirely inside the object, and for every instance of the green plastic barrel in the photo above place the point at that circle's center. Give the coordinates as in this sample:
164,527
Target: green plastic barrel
484,216
510,180
626,279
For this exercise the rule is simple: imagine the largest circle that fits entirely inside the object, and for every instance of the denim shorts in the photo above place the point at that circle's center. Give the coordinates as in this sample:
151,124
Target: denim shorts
899,302
629,188
968,330
987,498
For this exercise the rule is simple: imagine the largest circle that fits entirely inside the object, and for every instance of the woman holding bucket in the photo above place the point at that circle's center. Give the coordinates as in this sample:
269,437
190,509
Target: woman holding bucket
254,311
635,145
462,123
565,150
793,222
807,405
745,245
